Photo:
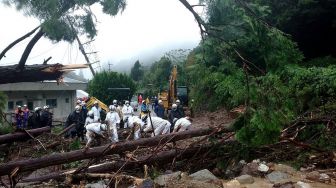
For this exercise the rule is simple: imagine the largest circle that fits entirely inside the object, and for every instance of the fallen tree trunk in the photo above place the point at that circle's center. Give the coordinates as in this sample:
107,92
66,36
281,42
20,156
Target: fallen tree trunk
61,158
33,73
22,136
66,129
160,158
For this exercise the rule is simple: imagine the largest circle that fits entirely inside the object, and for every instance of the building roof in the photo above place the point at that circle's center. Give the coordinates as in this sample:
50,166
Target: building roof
69,84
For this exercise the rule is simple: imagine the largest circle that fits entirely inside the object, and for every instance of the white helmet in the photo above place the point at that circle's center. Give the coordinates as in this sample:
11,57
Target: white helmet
126,102
77,107
19,106
112,107
96,102
46,107
90,113
83,103
177,101
174,105
160,101
114,101
37,108
78,101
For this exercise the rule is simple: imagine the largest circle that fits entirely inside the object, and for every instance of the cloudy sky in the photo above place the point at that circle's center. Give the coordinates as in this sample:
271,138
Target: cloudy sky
146,29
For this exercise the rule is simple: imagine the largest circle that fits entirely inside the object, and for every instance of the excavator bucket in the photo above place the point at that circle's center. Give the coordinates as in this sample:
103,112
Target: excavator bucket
91,100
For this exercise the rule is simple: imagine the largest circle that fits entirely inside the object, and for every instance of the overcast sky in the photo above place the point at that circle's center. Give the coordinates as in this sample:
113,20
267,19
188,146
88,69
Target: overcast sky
145,29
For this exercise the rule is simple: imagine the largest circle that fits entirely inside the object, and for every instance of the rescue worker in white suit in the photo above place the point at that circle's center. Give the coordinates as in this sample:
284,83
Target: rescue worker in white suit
161,126
96,111
95,129
182,124
136,124
127,112
89,119
113,121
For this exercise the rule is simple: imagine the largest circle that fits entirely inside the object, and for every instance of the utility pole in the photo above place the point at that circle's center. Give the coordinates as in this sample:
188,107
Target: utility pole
110,64
81,48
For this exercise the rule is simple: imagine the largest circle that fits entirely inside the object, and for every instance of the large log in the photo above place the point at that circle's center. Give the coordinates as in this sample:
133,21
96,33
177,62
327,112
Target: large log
160,158
61,158
33,73
22,136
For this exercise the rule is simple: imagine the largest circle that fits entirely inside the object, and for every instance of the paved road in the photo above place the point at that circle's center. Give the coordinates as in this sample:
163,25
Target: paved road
137,113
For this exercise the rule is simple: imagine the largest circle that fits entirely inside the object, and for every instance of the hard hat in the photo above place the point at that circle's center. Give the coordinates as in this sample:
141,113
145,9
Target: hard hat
177,101
90,113
37,108
77,107
25,105
83,103
78,101
160,101
174,105
127,102
46,107
96,102
115,101
112,107
19,106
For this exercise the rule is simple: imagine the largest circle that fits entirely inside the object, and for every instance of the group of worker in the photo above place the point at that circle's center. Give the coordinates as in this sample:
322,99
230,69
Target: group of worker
90,123
40,117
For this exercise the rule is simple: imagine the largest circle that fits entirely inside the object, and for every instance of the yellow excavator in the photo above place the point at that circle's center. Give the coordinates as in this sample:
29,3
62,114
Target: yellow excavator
174,92
90,102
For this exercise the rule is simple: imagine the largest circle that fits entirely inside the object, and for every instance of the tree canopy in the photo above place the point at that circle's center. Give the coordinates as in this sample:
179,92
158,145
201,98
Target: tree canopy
137,71
100,84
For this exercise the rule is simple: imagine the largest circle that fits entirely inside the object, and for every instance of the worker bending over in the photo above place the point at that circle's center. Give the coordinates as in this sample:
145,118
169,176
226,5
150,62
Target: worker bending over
182,124
160,126
95,130
90,118
136,124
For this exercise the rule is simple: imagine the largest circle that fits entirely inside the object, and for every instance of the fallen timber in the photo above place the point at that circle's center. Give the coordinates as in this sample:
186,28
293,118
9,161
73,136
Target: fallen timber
61,158
33,73
162,157
22,136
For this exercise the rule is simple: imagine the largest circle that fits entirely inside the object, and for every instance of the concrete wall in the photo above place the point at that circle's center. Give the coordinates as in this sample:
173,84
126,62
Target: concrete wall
65,100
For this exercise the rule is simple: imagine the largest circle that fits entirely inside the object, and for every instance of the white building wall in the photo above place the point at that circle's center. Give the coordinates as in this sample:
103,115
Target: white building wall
65,100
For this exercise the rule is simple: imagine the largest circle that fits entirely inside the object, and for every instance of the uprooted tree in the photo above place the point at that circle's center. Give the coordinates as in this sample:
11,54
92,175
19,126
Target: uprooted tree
61,20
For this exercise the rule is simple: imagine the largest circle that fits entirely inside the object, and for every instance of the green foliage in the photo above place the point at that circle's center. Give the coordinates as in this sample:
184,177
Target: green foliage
75,144
137,71
59,16
296,17
98,86
271,79
4,127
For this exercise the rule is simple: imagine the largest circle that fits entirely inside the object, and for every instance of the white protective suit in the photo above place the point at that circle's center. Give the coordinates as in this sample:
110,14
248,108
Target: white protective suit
88,120
96,113
182,124
127,112
92,129
113,119
135,123
161,126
